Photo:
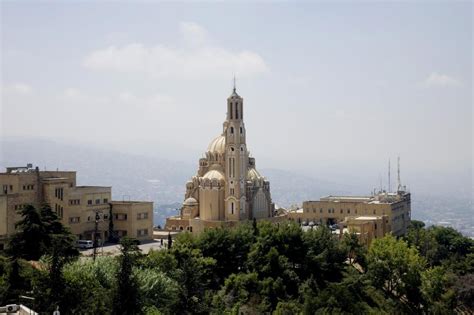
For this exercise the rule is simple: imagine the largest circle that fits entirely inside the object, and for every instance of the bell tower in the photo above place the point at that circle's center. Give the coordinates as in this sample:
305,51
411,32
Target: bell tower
236,162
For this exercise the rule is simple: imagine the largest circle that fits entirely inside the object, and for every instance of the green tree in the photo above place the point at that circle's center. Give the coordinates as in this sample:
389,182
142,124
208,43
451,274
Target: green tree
31,236
356,252
396,267
89,286
439,297
229,247
126,299
194,274
157,290
170,240
325,257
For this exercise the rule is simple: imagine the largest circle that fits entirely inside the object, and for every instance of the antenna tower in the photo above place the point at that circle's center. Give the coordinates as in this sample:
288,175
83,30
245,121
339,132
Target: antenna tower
389,184
399,188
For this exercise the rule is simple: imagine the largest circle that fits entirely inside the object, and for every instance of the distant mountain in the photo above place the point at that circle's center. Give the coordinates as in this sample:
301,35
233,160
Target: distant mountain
135,177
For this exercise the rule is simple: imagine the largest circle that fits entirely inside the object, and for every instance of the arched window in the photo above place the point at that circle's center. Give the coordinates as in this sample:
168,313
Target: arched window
241,130
232,208
237,111
232,130
231,111
232,149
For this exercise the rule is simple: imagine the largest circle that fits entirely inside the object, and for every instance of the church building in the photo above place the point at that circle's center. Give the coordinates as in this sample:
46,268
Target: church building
227,188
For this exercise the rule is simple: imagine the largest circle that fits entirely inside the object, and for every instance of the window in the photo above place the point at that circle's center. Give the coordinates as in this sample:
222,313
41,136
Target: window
5,189
232,208
89,202
59,193
143,215
74,202
120,216
106,200
231,111
241,130
232,130
349,211
74,220
11,187
97,201
144,232
321,210
341,210
374,211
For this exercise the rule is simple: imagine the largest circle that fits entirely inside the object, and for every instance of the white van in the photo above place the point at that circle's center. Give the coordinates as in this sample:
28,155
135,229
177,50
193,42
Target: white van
84,244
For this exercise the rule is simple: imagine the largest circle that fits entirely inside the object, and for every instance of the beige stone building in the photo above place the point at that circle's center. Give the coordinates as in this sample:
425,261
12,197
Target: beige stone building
227,188
369,216
77,206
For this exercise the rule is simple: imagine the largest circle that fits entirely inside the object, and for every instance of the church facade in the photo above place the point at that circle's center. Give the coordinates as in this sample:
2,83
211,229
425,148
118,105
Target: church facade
227,188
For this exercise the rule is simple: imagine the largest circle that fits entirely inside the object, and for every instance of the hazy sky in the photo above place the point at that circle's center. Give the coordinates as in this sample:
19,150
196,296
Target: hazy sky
331,88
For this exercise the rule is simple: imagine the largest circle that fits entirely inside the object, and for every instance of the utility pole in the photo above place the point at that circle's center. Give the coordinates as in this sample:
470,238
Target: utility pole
96,230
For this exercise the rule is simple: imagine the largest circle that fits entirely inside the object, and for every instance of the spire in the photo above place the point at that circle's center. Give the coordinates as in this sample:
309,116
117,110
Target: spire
234,85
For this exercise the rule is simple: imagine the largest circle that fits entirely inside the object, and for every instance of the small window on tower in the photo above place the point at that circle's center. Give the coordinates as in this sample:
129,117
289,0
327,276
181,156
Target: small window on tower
231,130
232,149
241,130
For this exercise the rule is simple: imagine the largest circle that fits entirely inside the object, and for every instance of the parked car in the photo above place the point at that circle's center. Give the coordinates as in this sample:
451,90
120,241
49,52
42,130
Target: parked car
84,244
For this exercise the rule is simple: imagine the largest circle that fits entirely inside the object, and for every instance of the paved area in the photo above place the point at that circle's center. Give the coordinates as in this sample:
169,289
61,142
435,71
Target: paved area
112,250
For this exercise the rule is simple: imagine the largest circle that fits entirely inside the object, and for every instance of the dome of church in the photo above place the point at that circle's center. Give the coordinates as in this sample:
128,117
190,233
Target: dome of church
253,174
190,202
213,174
217,145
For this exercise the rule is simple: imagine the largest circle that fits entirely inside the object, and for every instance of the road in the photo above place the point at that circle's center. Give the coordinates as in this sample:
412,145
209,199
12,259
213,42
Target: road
112,250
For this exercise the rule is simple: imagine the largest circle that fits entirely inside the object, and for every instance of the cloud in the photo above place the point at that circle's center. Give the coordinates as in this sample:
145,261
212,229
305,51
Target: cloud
17,88
441,80
198,58
193,33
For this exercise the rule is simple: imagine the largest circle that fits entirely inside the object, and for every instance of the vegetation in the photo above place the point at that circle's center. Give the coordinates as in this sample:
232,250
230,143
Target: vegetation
258,268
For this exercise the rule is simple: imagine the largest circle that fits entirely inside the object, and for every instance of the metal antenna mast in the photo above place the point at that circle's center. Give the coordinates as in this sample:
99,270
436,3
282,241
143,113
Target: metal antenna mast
389,184
399,188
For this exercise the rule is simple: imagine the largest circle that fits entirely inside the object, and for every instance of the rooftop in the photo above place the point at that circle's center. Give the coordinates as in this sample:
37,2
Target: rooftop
130,202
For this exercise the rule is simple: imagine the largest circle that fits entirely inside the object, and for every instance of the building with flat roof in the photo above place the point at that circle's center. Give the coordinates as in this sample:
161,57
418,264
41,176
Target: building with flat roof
78,207
371,216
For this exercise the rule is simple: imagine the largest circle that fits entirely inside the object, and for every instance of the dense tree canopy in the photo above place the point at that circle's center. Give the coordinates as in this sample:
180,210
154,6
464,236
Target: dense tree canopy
255,268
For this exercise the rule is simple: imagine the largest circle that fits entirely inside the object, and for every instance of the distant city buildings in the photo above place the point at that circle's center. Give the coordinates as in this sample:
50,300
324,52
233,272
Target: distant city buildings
78,207
227,188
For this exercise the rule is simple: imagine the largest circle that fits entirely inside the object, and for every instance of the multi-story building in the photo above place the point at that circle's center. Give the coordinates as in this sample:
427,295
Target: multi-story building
373,216
227,188
78,207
